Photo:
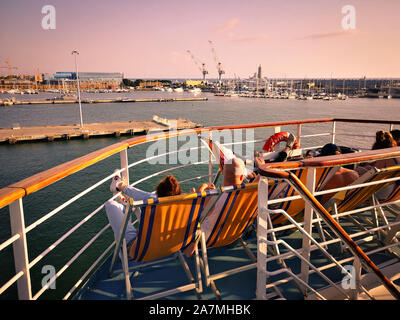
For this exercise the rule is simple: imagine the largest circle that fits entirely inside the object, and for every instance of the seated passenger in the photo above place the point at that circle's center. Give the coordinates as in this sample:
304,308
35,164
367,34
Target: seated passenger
343,177
115,209
233,174
396,136
384,139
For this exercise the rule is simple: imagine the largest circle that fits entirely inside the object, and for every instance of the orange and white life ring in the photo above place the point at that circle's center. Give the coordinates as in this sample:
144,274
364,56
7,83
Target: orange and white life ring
275,139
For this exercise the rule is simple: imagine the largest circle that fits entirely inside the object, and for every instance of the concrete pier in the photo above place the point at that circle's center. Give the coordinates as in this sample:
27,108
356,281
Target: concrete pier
67,132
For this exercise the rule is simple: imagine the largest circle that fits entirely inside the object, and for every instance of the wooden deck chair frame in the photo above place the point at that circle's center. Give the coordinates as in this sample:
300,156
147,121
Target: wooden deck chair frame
238,211
347,200
166,226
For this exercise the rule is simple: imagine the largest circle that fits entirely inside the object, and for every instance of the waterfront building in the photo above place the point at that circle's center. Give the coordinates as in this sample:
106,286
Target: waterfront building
88,80
194,83
150,84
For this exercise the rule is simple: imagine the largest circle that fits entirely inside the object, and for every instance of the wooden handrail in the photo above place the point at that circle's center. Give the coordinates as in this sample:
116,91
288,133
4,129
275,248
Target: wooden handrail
273,124
43,179
339,160
367,121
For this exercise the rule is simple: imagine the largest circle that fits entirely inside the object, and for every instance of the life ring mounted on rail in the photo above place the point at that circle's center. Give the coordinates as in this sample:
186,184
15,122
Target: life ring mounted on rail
277,138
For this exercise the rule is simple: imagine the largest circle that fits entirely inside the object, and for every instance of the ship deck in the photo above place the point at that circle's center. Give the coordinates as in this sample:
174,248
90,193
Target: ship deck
296,261
167,275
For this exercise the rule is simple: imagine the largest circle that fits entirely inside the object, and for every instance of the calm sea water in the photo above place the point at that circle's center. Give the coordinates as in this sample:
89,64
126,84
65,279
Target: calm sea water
20,161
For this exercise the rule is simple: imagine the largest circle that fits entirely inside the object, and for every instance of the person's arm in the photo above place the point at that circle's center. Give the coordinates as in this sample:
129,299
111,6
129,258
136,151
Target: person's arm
137,194
204,187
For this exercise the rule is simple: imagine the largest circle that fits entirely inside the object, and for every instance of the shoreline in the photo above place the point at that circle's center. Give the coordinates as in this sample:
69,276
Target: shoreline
111,100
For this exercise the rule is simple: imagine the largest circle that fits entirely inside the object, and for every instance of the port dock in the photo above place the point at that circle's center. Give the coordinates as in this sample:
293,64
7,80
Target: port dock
111,100
110,129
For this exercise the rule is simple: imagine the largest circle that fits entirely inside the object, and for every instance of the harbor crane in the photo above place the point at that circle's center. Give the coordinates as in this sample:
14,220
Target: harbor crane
9,67
202,68
219,65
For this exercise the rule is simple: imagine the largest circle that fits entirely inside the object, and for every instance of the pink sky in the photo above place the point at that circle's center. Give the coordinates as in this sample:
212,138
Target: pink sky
149,39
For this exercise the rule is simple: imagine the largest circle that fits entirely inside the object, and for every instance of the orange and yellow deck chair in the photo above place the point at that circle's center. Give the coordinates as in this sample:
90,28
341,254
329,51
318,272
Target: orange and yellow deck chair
295,207
234,212
167,225
346,200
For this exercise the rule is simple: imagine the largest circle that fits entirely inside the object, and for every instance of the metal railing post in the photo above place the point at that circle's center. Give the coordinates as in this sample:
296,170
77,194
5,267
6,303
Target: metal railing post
262,227
308,215
333,131
20,249
124,165
298,134
357,281
210,179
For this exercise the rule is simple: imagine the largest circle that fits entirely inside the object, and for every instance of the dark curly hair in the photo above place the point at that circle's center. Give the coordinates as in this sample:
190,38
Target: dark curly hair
384,139
396,136
168,186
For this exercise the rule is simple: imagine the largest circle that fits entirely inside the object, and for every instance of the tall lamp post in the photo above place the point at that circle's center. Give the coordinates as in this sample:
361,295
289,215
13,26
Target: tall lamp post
79,90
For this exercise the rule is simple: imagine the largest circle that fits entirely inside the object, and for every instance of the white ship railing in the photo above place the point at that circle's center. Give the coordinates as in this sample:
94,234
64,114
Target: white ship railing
309,244
12,196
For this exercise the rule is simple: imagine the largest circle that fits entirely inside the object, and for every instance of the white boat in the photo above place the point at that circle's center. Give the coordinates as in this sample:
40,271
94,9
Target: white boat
178,89
196,91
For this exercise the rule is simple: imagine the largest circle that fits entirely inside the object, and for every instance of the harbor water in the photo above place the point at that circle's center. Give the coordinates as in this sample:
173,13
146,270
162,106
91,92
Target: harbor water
22,160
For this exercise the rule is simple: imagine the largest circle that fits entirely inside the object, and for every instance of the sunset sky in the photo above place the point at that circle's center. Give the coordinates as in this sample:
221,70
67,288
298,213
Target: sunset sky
149,38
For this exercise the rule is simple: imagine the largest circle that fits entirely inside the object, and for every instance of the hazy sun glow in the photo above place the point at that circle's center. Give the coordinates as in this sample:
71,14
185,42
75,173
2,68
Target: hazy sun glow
289,38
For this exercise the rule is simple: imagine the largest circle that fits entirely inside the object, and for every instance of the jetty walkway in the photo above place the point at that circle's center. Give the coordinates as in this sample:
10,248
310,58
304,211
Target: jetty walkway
66,132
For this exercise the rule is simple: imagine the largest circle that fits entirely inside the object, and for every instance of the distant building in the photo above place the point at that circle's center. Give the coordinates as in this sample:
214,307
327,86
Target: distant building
194,83
259,73
150,84
93,80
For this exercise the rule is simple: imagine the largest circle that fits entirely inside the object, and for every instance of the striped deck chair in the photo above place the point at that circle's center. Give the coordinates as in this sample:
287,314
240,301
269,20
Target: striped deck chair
239,209
167,225
350,199
284,190
347,200
395,193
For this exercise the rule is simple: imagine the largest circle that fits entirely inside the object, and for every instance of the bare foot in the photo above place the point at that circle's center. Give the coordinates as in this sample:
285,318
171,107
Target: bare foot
189,250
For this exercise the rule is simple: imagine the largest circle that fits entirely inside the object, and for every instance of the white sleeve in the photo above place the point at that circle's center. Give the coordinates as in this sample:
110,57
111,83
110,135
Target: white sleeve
138,194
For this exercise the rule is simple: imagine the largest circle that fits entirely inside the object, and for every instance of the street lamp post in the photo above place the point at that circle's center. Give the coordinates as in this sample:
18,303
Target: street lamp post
79,90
